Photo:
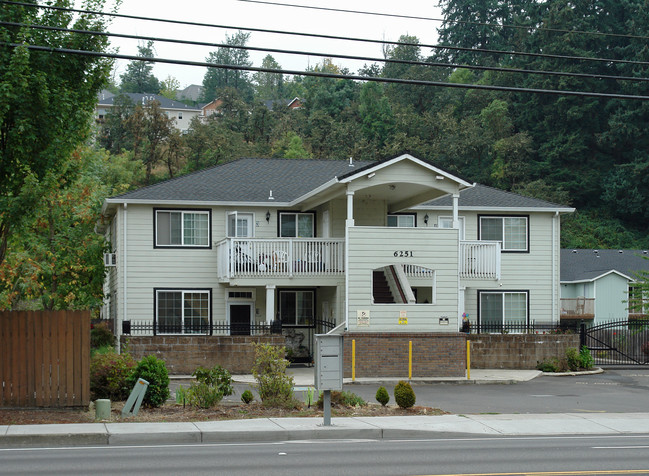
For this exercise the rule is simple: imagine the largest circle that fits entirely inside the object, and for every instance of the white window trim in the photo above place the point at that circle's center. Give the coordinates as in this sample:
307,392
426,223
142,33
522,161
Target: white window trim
182,229
183,292
502,242
461,220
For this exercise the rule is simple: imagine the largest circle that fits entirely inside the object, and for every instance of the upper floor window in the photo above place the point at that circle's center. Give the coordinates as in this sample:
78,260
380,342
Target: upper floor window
296,225
447,222
402,221
182,228
240,225
511,231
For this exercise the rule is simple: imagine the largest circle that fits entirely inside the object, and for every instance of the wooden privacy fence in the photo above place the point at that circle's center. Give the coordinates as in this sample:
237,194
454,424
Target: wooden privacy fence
44,358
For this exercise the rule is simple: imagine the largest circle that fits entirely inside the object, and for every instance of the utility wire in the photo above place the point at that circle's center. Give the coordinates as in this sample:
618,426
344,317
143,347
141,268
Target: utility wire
320,74
328,55
333,37
464,22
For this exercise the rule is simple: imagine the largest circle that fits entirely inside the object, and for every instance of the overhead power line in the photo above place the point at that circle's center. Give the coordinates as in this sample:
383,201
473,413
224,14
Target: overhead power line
329,55
442,20
321,74
333,37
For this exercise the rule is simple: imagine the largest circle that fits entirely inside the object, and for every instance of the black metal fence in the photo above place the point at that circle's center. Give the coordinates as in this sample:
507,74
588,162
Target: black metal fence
618,343
522,327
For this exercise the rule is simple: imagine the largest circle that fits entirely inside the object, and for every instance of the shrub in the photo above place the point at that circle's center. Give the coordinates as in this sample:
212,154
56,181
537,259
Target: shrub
101,336
217,377
572,357
202,395
109,376
382,396
585,359
154,371
247,397
404,395
275,388
548,365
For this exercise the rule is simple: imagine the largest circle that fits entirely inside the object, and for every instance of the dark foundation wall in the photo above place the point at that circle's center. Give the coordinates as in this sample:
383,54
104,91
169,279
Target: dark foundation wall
184,354
387,354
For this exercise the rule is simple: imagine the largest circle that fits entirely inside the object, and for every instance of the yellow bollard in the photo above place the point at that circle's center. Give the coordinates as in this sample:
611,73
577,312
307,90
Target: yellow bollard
353,360
468,360
410,360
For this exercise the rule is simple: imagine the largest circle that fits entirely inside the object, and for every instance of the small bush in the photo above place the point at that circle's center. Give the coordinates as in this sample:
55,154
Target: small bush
101,336
181,395
202,395
572,357
154,371
217,377
247,397
344,398
585,359
404,395
549,365
110,374
275,388
382,396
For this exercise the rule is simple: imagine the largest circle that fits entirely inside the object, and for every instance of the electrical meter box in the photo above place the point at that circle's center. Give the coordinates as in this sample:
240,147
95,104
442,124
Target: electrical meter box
328,362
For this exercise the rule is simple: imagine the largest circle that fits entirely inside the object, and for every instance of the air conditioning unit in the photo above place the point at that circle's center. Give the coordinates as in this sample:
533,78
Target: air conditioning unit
110,259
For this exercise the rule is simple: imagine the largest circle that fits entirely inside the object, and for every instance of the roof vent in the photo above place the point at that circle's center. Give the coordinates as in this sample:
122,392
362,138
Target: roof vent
595,251
620,251
351,161
270,196
574,251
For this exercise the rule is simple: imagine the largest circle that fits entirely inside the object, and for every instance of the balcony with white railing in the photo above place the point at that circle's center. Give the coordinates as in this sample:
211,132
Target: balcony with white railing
281,257
480,260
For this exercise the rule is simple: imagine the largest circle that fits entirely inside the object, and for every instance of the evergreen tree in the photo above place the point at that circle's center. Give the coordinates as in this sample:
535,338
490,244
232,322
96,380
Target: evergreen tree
216,78
139,77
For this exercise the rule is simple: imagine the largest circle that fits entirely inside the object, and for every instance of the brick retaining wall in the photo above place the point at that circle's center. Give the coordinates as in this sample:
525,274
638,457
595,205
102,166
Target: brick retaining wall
386,354
184,354
518,351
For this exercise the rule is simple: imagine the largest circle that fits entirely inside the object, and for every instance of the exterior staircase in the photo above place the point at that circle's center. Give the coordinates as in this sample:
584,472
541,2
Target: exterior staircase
381,289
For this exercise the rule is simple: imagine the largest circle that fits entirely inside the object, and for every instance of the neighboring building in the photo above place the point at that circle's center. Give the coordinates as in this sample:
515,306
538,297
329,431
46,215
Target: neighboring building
395,250
181,113
595,283
190,93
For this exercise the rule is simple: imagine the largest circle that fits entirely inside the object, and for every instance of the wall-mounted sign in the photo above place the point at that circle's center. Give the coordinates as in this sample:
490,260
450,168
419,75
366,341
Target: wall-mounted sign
443,321
403,318
362,318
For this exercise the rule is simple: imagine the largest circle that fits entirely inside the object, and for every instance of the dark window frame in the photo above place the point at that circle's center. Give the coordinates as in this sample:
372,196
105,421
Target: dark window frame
527,231
209,293
181,210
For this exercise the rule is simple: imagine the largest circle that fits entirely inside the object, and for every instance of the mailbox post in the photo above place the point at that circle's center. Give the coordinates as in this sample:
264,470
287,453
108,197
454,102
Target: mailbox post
328,369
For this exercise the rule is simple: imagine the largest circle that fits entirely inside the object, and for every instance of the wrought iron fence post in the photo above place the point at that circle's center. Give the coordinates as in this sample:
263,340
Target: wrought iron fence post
582,334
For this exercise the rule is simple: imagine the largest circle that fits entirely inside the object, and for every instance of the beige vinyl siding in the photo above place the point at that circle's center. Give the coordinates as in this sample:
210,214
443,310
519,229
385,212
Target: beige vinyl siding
374,247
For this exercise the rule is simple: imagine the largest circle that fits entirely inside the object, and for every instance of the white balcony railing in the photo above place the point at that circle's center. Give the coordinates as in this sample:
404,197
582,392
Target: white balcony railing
281,257
480,259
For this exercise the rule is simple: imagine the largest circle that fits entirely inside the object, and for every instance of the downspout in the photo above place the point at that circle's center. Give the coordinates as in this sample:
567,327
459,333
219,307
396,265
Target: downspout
125,278
554,266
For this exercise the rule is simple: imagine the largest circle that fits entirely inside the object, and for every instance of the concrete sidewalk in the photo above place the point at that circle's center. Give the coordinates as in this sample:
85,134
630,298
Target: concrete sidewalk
286,429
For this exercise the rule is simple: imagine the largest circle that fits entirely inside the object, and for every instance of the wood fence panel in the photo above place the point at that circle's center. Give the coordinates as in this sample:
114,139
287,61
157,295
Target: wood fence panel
44,358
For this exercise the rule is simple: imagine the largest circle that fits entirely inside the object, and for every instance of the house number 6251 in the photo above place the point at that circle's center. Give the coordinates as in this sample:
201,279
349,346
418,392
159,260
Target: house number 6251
404,254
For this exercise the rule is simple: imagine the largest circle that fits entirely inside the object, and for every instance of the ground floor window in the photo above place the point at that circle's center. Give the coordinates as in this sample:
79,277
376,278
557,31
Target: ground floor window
296,307
507,307
180,311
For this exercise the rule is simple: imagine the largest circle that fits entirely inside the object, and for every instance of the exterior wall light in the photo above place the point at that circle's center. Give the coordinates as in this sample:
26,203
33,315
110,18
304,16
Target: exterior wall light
268,216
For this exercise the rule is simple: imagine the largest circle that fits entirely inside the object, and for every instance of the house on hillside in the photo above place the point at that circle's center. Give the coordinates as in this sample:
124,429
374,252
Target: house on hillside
181,113
387,253
595,283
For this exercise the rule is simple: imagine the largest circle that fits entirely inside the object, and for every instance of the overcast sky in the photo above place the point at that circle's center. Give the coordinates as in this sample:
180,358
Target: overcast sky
275,17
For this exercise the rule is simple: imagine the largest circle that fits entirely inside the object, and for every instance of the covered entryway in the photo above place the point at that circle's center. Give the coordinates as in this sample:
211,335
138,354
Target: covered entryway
622,342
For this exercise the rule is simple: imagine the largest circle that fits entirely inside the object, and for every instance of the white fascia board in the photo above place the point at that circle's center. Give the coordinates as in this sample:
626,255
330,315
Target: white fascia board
314,192
390,162
194,203
496,209
590,280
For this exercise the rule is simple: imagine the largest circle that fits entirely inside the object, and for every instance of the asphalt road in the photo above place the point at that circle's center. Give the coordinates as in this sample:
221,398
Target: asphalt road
574,455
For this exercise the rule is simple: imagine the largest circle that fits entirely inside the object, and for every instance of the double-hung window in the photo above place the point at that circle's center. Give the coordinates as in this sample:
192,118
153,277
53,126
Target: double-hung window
296,225
296,307
402,221
182,311
511,231
182,228
503,308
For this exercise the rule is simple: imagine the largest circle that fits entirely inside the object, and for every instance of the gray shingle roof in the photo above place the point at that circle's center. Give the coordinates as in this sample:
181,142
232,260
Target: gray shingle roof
248,180
585,265
482,196
138,98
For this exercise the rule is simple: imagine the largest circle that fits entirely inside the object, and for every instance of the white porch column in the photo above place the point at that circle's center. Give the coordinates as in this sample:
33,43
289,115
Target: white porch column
456,219
270,303
350,208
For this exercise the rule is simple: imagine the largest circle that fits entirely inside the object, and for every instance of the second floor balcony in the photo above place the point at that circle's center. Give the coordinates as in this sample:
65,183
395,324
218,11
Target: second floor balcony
288,257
